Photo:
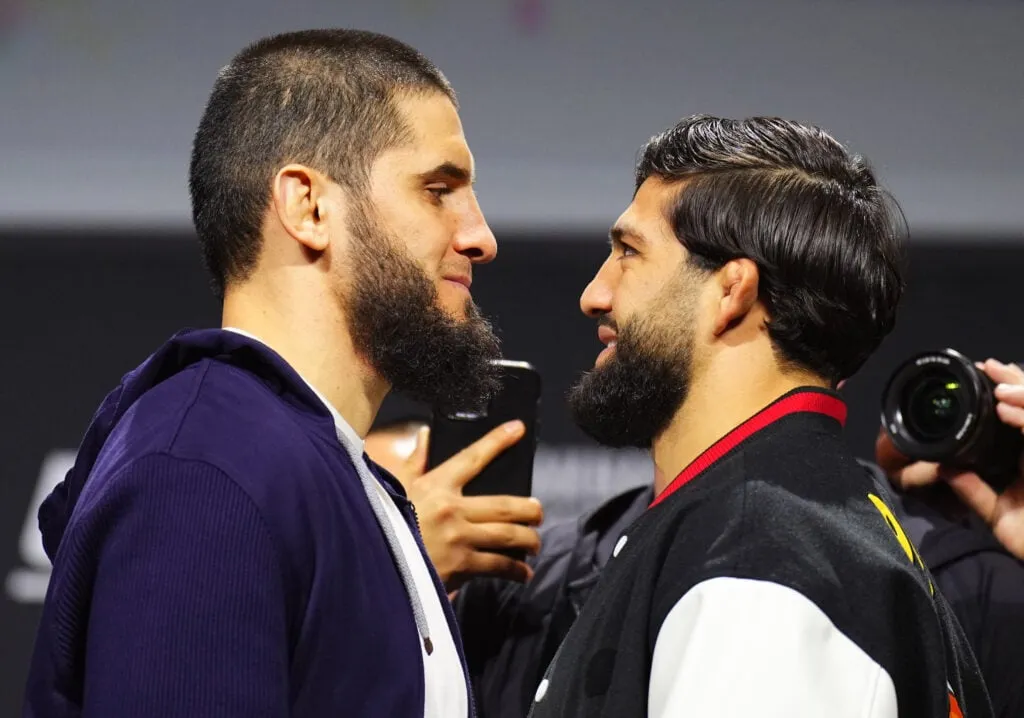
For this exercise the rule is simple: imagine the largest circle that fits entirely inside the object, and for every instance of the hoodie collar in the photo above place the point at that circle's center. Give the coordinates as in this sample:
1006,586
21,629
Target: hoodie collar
343,426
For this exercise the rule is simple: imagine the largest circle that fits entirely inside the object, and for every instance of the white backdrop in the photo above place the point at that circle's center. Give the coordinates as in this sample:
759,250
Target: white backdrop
100,97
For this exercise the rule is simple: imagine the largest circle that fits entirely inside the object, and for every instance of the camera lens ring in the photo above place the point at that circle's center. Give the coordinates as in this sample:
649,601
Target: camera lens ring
933,404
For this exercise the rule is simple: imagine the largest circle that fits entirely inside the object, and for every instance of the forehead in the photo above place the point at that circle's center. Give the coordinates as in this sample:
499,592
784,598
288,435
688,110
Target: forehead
647,214
436,135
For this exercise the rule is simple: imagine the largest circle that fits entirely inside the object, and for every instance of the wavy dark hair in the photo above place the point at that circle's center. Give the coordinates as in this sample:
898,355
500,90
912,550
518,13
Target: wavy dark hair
826,238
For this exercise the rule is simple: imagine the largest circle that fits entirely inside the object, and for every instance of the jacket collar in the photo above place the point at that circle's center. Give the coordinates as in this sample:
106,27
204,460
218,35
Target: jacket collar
802,400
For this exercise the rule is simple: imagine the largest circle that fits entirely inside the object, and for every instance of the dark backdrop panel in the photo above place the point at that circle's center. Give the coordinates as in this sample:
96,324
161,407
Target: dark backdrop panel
81,311
77,315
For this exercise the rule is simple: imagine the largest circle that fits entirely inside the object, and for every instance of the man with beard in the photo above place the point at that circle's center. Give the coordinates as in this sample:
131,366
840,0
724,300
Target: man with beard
757,266
222,547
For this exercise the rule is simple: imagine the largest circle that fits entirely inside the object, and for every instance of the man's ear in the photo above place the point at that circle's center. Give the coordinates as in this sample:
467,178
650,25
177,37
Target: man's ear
299,201
737,283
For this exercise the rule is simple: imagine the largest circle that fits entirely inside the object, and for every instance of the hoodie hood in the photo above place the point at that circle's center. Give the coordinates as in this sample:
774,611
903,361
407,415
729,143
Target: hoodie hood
180,352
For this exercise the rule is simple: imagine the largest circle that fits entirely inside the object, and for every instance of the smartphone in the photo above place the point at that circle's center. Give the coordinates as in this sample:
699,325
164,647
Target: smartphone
511,472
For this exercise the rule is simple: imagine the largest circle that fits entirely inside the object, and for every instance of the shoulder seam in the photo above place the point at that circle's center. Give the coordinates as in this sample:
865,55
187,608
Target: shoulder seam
196,386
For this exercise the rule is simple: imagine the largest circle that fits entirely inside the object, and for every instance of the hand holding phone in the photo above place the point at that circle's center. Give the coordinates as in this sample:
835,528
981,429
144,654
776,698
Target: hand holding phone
472,536
510,473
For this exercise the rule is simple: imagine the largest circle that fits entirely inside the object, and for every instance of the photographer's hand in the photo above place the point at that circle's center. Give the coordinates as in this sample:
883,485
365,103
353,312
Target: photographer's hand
1004,513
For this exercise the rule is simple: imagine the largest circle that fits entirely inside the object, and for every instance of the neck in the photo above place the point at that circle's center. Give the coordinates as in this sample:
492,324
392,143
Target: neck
714,406
316,343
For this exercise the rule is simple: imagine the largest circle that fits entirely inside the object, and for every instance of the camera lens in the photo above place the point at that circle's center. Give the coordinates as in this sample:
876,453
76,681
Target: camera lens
937,406
932,406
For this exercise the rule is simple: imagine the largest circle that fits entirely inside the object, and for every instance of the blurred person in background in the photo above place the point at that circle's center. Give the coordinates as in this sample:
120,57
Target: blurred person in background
392,443
511,631
222,546
757,266
972,540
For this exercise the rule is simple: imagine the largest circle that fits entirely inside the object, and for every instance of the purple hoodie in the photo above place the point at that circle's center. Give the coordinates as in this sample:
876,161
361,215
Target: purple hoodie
215,555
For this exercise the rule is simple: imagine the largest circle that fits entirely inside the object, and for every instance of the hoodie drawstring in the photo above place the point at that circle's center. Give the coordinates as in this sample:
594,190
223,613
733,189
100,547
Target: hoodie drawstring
371,488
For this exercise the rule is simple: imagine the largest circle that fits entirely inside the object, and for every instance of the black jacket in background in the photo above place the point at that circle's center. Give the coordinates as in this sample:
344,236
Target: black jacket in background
510,631
984,585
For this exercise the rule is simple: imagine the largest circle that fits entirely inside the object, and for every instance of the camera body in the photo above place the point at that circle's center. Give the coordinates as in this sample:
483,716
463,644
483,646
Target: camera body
938,406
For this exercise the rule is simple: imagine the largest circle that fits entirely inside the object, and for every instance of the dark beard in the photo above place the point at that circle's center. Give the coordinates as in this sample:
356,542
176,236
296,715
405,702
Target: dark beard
631,399
398,326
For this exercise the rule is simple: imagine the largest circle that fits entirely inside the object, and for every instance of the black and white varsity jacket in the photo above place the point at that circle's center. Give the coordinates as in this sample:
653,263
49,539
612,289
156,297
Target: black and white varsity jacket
770,578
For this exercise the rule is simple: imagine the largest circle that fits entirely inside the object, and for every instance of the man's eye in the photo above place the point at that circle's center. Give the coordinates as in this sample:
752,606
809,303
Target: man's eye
439,191
628,251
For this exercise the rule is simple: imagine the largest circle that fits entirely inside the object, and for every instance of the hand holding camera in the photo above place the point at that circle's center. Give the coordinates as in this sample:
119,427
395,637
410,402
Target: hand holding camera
945,418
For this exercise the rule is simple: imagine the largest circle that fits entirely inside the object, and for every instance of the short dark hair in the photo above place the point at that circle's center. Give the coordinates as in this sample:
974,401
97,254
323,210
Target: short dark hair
826,238
324,98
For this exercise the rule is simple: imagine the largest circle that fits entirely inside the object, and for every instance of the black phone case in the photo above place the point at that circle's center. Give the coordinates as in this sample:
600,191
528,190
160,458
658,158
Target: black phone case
511,472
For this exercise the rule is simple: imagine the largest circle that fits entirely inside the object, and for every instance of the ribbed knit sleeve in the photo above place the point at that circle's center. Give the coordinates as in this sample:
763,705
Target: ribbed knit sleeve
187,613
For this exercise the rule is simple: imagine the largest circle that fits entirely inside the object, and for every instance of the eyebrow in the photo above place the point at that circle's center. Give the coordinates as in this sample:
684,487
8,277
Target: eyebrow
619,231
451,171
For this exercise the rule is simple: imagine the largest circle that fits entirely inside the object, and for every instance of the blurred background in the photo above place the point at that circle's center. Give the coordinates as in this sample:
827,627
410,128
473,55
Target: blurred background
98,265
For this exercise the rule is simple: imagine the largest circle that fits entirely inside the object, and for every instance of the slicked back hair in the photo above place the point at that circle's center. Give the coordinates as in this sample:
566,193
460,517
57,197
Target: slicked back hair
322,98
826,238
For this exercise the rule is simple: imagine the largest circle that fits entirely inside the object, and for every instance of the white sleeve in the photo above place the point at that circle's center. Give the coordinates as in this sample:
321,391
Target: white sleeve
737,647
